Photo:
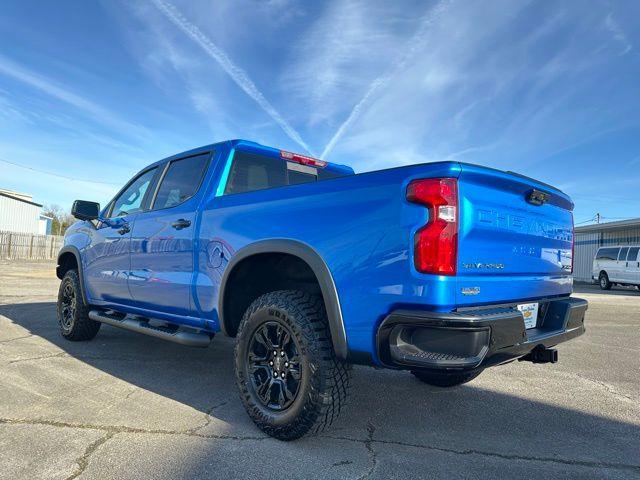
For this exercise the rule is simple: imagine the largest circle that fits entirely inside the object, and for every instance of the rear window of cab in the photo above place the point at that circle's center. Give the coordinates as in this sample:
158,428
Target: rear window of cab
250,172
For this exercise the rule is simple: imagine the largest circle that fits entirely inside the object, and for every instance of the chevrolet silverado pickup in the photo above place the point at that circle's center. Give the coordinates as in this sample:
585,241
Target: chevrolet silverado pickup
441,269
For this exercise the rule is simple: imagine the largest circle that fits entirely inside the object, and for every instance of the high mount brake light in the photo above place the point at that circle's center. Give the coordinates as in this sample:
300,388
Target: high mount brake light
436,244
302,159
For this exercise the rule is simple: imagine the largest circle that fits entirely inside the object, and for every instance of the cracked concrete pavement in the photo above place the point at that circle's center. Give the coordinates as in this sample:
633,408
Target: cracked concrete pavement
129,406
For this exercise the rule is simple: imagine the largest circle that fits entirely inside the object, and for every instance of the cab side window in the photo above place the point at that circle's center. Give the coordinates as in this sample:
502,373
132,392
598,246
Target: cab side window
251,172
181,181
132,197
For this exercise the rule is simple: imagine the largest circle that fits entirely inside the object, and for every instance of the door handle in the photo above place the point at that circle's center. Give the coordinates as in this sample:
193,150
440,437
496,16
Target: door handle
125,229
180,224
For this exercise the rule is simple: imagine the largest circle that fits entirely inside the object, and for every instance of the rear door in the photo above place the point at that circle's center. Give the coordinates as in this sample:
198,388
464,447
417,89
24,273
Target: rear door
163,237
620,273
632,266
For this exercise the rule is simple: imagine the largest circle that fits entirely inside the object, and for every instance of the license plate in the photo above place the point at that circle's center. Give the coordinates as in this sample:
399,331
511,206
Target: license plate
530,314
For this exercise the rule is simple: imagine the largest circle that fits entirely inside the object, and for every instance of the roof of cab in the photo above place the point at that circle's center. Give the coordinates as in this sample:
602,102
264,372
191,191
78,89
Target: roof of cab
249,145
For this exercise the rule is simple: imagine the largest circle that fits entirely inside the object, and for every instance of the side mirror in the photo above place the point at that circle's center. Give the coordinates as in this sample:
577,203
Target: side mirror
85,210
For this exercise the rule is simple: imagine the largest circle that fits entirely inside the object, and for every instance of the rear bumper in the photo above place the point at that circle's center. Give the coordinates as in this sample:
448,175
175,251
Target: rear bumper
474,339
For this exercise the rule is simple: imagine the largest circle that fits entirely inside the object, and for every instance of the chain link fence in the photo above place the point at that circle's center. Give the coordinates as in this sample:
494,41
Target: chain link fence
28,246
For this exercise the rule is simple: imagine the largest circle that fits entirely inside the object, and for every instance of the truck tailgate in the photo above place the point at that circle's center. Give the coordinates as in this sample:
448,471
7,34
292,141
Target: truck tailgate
512,228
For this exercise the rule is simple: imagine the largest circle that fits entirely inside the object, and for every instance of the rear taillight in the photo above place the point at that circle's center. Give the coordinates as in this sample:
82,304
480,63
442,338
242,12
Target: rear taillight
436,244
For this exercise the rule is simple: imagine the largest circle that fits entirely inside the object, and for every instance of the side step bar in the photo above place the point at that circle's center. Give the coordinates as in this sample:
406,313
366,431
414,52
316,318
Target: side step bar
192,338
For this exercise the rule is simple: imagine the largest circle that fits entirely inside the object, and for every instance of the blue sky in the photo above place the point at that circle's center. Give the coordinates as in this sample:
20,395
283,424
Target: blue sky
96,90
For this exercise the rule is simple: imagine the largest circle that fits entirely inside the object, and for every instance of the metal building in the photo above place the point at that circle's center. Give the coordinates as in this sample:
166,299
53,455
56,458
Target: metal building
590,237
18,213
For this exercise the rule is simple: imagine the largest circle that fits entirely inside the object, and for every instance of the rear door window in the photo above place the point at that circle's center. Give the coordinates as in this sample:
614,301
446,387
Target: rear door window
623,254
632,256
181,181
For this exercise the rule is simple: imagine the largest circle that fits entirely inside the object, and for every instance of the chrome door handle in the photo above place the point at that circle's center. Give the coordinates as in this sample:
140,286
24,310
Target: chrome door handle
125,229
180,224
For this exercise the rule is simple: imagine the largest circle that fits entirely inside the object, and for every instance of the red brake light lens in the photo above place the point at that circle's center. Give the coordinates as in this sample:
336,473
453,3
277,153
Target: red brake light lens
302,159
436,244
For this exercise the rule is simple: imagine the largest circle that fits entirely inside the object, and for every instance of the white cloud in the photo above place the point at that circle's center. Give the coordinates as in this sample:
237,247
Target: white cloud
238,75
434,78
618,34
50,87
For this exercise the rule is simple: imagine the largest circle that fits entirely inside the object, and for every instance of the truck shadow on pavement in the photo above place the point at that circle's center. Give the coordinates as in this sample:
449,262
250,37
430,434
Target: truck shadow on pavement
543,418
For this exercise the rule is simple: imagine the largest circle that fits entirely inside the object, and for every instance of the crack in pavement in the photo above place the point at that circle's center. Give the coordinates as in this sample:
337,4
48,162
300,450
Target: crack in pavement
368,443
41,357
207,417
83,461
505,456
16,338
114,429
66,354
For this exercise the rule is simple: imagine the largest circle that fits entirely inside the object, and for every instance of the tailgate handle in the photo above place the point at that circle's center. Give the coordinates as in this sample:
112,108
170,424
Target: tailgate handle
536,197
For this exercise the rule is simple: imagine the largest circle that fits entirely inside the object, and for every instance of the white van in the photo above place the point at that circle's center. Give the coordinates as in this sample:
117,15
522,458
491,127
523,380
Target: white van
617,265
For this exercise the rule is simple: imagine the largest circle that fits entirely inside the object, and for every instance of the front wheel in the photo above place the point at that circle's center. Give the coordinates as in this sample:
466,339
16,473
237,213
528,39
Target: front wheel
605,284
290,381
446,379
73,313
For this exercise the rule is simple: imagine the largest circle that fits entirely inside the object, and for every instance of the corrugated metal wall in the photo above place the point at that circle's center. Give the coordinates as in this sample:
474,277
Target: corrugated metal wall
17,216
587,244
586,247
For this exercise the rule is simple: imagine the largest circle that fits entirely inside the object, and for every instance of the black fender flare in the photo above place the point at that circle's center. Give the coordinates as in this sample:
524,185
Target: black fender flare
76,253
319,268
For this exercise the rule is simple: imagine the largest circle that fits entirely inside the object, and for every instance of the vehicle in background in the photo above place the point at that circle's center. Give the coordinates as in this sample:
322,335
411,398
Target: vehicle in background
617,266
441,269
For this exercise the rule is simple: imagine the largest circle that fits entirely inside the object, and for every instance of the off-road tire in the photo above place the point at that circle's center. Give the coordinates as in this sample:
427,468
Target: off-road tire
604,282
324,379
74,323
446,379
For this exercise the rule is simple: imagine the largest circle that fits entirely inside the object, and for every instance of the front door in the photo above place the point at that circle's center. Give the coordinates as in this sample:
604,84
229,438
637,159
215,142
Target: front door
107,256
162,240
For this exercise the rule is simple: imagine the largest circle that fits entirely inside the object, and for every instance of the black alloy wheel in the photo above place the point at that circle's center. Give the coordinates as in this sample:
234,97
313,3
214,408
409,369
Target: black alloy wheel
274,365
67,306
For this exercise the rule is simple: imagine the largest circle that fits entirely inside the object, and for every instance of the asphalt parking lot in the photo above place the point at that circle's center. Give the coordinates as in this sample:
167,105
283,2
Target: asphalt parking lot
129,406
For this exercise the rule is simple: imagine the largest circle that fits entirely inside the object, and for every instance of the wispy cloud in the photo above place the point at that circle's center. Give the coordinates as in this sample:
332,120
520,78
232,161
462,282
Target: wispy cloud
238,75
618,34
383,80
50,87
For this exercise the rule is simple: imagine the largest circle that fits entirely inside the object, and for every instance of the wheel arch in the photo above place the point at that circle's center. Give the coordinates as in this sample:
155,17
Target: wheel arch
315,263
69,258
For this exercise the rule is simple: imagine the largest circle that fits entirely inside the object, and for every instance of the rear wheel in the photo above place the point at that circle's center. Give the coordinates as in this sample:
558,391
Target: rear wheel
290,381
446,379
73,313
605,284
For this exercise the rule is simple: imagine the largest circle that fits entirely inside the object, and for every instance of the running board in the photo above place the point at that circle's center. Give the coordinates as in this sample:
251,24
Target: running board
192,338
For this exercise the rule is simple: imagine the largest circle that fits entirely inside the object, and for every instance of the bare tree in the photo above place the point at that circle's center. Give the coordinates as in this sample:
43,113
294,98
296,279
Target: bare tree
61,218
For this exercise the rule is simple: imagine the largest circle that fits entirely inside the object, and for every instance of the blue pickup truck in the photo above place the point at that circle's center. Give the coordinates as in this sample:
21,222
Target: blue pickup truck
441,269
